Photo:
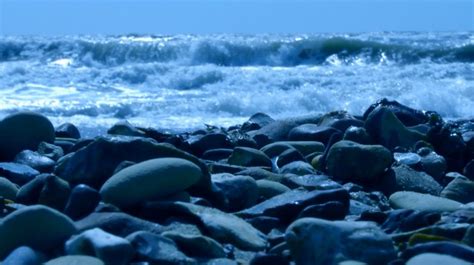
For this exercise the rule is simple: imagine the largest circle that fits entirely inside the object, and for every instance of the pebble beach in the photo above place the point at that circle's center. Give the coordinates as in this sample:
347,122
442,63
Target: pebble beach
394,185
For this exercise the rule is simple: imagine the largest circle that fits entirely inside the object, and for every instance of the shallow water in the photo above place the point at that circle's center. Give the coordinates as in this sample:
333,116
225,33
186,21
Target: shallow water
183,82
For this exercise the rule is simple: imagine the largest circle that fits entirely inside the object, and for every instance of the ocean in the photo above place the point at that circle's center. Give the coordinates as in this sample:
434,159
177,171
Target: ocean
182,82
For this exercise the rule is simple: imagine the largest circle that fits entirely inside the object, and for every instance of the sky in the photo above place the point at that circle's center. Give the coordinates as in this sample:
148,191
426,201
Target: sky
59,17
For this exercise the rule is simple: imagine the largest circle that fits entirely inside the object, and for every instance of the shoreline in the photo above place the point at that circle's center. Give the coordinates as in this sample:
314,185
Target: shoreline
390,186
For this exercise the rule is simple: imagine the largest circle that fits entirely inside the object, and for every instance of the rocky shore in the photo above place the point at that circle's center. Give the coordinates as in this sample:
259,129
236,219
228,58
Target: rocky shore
394,186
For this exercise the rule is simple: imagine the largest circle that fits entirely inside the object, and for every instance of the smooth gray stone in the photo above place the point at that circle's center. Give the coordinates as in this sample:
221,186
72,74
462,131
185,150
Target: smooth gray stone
18,173
24,256
422,202
433,258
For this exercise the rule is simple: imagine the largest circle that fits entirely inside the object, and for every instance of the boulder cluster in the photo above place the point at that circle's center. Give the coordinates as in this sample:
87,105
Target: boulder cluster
393,186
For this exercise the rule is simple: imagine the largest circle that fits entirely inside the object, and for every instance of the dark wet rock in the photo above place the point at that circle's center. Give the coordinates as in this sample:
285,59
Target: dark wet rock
96,162
408,179
373,216
257,121
279,129
407,115
374,199
117,223
345,123
67,130
76,260
35,161
8,189
264,259
24,256
275,149
409,159
268,189
68,145
197,245
51,151
405,220
448,248
249,157
460,190
82,201
432,163
288,205
150,179
126,129
200,144
468,238
123,165
299,168
260,173
317,241
332,210
240,191
217,154
45,189
157,249
18,173
358,135
265,223
356,208
218,167
386,129
433,258
311,182
469,170
21,131
38,227
311,132
224,227
350,161
288,156
450,145
422,202
107,247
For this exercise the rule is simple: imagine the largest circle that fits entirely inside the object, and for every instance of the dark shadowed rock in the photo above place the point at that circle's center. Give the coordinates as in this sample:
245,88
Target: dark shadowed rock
407,115
448,248
82,201
459,189
67,130
45,189
18,173
200,144
21,131
249,157
257,121
240,191
311,132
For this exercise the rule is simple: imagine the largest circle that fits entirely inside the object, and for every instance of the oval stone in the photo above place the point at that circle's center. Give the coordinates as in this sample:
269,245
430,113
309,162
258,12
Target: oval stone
23,130
39,227
150,179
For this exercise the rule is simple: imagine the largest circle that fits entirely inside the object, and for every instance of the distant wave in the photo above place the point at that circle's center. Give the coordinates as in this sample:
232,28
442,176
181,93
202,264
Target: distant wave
227,51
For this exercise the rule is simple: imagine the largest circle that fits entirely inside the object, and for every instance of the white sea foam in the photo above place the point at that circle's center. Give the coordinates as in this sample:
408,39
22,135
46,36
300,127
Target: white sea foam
183,82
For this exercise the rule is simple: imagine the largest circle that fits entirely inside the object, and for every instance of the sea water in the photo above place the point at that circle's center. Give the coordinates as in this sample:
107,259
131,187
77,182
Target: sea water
183,82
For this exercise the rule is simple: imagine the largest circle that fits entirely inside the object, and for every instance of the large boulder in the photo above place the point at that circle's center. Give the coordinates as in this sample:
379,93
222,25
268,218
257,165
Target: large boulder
96,162
38,227
316,241
150,179
350,161
386,129
23,130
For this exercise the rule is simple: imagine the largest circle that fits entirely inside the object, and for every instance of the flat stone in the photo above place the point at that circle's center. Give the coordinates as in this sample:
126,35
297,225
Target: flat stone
299,168
422,202
288,205
107,247
38,227
409,159
75,260
23,130
150,179
433,258
35,161
18,173
268,189
358,163
197,245
311,132
453,249
157,249
117,223
312,182
223,227
317,241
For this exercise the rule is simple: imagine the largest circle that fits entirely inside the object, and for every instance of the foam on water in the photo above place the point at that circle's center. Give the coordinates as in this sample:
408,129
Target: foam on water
183,82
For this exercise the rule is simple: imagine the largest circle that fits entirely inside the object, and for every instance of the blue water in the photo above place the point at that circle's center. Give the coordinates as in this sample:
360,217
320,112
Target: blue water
183,82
